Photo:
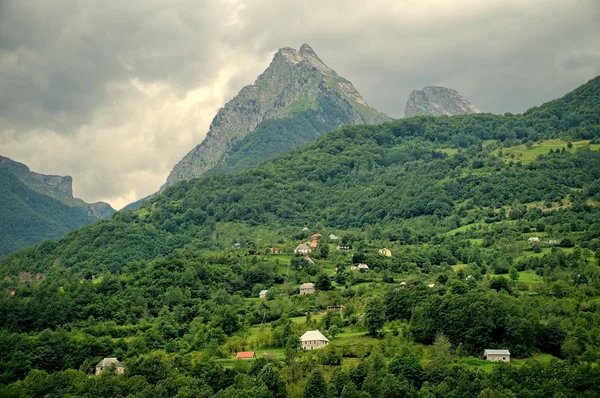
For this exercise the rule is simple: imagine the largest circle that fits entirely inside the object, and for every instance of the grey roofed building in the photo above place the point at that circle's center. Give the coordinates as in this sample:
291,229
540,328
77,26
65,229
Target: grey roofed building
106,362
497,355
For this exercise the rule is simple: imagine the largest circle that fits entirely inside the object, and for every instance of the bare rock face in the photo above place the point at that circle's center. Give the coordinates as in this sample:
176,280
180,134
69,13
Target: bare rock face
294,82
438,101
56,187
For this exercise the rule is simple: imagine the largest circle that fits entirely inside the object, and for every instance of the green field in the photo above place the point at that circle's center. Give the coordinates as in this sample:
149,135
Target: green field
529,277
527,155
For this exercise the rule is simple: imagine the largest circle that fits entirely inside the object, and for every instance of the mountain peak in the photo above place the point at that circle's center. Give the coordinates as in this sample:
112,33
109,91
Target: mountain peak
438,101
295,82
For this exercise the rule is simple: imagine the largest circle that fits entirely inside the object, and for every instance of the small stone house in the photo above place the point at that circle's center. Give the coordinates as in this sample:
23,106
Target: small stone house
309,260
385,252
246,355
307,288
106,362
497,355
263,294
533,239
313,340
363,267
336,308
302,248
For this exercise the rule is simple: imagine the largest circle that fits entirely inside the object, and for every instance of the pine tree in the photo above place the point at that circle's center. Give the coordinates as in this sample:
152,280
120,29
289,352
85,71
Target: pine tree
316,387
374,315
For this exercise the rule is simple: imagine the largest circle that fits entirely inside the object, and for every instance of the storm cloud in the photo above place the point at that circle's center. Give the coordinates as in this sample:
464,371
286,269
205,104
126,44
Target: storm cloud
114,93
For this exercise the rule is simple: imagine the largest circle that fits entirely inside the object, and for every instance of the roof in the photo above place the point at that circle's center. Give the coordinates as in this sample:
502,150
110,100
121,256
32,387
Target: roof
263,292
316,235
307,285
313,335
496,352
302,246
244,355
363,266
110,361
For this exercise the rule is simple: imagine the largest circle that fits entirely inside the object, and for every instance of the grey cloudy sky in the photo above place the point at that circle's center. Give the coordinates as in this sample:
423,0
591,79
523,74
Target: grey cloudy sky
115,92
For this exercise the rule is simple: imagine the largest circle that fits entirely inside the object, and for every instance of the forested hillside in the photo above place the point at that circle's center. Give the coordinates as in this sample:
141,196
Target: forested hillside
491,231
28,217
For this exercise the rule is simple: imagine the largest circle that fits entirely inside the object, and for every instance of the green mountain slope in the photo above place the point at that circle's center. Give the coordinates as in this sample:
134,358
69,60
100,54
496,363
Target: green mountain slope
34,207
28,217
395,175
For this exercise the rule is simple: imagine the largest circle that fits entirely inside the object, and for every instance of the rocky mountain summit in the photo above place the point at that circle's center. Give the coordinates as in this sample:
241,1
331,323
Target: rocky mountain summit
438,101
301,97
56,187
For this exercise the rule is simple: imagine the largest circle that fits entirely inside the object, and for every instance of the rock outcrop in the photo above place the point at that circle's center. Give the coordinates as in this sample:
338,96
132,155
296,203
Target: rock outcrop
295,82
438,101
57,187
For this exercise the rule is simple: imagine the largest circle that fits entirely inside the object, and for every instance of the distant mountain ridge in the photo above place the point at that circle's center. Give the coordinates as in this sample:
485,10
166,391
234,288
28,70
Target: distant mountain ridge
56,187
34,207
297,89
438,101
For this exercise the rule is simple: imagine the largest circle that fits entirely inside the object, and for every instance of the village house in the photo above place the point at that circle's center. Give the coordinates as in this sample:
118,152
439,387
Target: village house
307,288
497,355
274,250
431,285
336,308
316,236
333,237
309,260
263,294
343,248
312,340
385,252
363,267
533,239
302,248
106,362
245,355
314,243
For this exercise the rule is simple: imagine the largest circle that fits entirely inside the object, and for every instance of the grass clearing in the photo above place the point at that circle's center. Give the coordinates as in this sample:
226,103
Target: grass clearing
522,153
529,277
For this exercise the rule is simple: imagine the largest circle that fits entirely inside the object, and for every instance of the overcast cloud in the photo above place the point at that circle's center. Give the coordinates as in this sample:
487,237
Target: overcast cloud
115,92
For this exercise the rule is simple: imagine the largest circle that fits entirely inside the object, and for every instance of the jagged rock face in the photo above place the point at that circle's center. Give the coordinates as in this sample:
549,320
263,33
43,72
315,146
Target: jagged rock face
438,101
294,82
56,187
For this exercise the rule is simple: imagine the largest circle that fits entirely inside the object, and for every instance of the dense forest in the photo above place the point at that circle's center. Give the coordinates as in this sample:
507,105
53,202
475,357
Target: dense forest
493,229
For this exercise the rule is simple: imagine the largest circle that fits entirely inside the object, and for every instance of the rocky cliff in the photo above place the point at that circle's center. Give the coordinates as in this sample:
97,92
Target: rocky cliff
297,84
438,101
56,187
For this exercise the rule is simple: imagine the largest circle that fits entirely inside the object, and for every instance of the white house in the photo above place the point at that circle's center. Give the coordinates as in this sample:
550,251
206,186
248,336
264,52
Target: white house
106,362
533,239
263,294
307,288
333,237
497,355
302,248
312,340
